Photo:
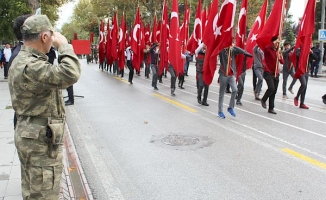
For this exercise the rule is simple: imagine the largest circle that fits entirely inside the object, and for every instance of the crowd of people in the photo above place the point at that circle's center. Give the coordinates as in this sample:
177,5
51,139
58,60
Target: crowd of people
267,65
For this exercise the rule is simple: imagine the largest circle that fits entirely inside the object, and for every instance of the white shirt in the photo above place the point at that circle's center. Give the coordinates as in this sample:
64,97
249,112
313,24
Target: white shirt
128,53
7,53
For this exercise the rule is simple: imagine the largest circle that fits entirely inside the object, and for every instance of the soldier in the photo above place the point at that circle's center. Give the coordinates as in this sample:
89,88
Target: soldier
35,88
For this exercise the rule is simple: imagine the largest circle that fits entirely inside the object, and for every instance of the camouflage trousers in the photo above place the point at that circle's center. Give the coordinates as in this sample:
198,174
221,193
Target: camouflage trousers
40,174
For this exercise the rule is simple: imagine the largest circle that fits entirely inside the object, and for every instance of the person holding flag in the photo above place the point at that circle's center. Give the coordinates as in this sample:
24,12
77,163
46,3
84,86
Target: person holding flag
271,73
258,70
287,67
153,51
227,74
200,57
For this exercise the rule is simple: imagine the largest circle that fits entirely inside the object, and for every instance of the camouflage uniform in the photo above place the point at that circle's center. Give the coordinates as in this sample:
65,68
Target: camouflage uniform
35,88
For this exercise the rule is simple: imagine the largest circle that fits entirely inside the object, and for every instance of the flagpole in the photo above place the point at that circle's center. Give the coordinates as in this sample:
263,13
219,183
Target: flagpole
280,33
228,65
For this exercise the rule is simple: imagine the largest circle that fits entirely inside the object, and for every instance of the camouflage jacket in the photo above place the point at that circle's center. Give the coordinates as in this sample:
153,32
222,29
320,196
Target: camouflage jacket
35,84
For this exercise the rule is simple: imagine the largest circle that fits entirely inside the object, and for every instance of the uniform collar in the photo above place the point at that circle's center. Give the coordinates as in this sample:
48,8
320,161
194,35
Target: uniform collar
34,52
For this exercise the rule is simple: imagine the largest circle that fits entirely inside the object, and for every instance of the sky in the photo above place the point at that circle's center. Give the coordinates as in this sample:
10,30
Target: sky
65,12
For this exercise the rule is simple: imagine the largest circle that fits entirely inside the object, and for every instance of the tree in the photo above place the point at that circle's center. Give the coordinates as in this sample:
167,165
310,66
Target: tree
11,9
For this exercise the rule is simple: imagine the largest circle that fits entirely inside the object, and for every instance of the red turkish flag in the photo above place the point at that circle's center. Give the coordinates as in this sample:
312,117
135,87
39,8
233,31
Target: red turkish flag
184,29
241,35
153,34
122,43
255,31
174,41
136,41
209,40
223,37
273,26
147,34
164,40
114,38
101,45
91,37
204,21
197,32
158,32
304,38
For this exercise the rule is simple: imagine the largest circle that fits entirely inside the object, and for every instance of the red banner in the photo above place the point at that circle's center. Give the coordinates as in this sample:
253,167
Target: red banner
81,46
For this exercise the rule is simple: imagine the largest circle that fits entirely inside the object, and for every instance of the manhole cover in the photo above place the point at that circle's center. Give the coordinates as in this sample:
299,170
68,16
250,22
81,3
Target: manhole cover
179,140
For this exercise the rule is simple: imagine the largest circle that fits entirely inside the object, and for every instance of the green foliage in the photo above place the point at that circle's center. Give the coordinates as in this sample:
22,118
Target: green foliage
11,9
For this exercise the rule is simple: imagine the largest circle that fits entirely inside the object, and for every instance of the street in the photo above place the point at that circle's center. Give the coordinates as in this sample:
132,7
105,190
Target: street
135,143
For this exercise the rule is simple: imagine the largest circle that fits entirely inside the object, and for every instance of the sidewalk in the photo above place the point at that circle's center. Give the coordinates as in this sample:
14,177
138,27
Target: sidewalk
10,176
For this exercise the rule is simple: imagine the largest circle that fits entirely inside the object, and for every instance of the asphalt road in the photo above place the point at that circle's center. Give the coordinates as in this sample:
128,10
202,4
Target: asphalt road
135,143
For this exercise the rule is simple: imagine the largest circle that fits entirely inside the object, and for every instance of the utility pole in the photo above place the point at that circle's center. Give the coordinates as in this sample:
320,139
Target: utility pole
322,26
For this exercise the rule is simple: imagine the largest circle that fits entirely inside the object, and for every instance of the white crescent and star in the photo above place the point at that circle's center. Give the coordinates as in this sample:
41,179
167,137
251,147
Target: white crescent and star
137,26
258,19
217,30
197,22
120,34
101,36
233,14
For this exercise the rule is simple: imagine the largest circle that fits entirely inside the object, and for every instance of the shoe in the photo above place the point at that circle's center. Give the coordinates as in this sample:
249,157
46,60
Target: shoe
182,87
227,91
231,111
6,77
324,101
160,81
272,111
221,115
304,106
263,104
130,82
239,103
316,76
296,101
69,103
257,96
291,91
285,96
199,100
204,104
172,91
155,88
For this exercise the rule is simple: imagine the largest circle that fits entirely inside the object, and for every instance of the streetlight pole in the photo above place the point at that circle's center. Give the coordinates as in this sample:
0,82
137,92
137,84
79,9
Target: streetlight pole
322,26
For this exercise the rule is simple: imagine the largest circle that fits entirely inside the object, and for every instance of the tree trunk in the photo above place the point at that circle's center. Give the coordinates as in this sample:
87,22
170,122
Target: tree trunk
33,4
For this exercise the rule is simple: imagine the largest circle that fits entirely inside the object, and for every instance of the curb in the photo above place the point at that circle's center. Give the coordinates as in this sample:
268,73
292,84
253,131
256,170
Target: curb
74,165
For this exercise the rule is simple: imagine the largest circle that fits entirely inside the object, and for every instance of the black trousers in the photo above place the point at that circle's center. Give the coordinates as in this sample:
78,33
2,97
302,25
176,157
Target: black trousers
254,78
6,68
303,88
70,91
272,84
131,71
173,76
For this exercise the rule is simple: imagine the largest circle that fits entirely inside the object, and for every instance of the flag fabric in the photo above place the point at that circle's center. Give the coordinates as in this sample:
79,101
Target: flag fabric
147,34
136,41
273,26
184,29
101,45
164,40
304,38
114,37
209,39
223,37
174,41
255,31
197,32
241,35
75,36
91,37
153,34
108,45
204,21
122,43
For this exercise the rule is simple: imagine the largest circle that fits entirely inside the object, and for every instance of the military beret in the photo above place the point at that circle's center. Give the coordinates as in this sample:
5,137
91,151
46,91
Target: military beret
36,24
